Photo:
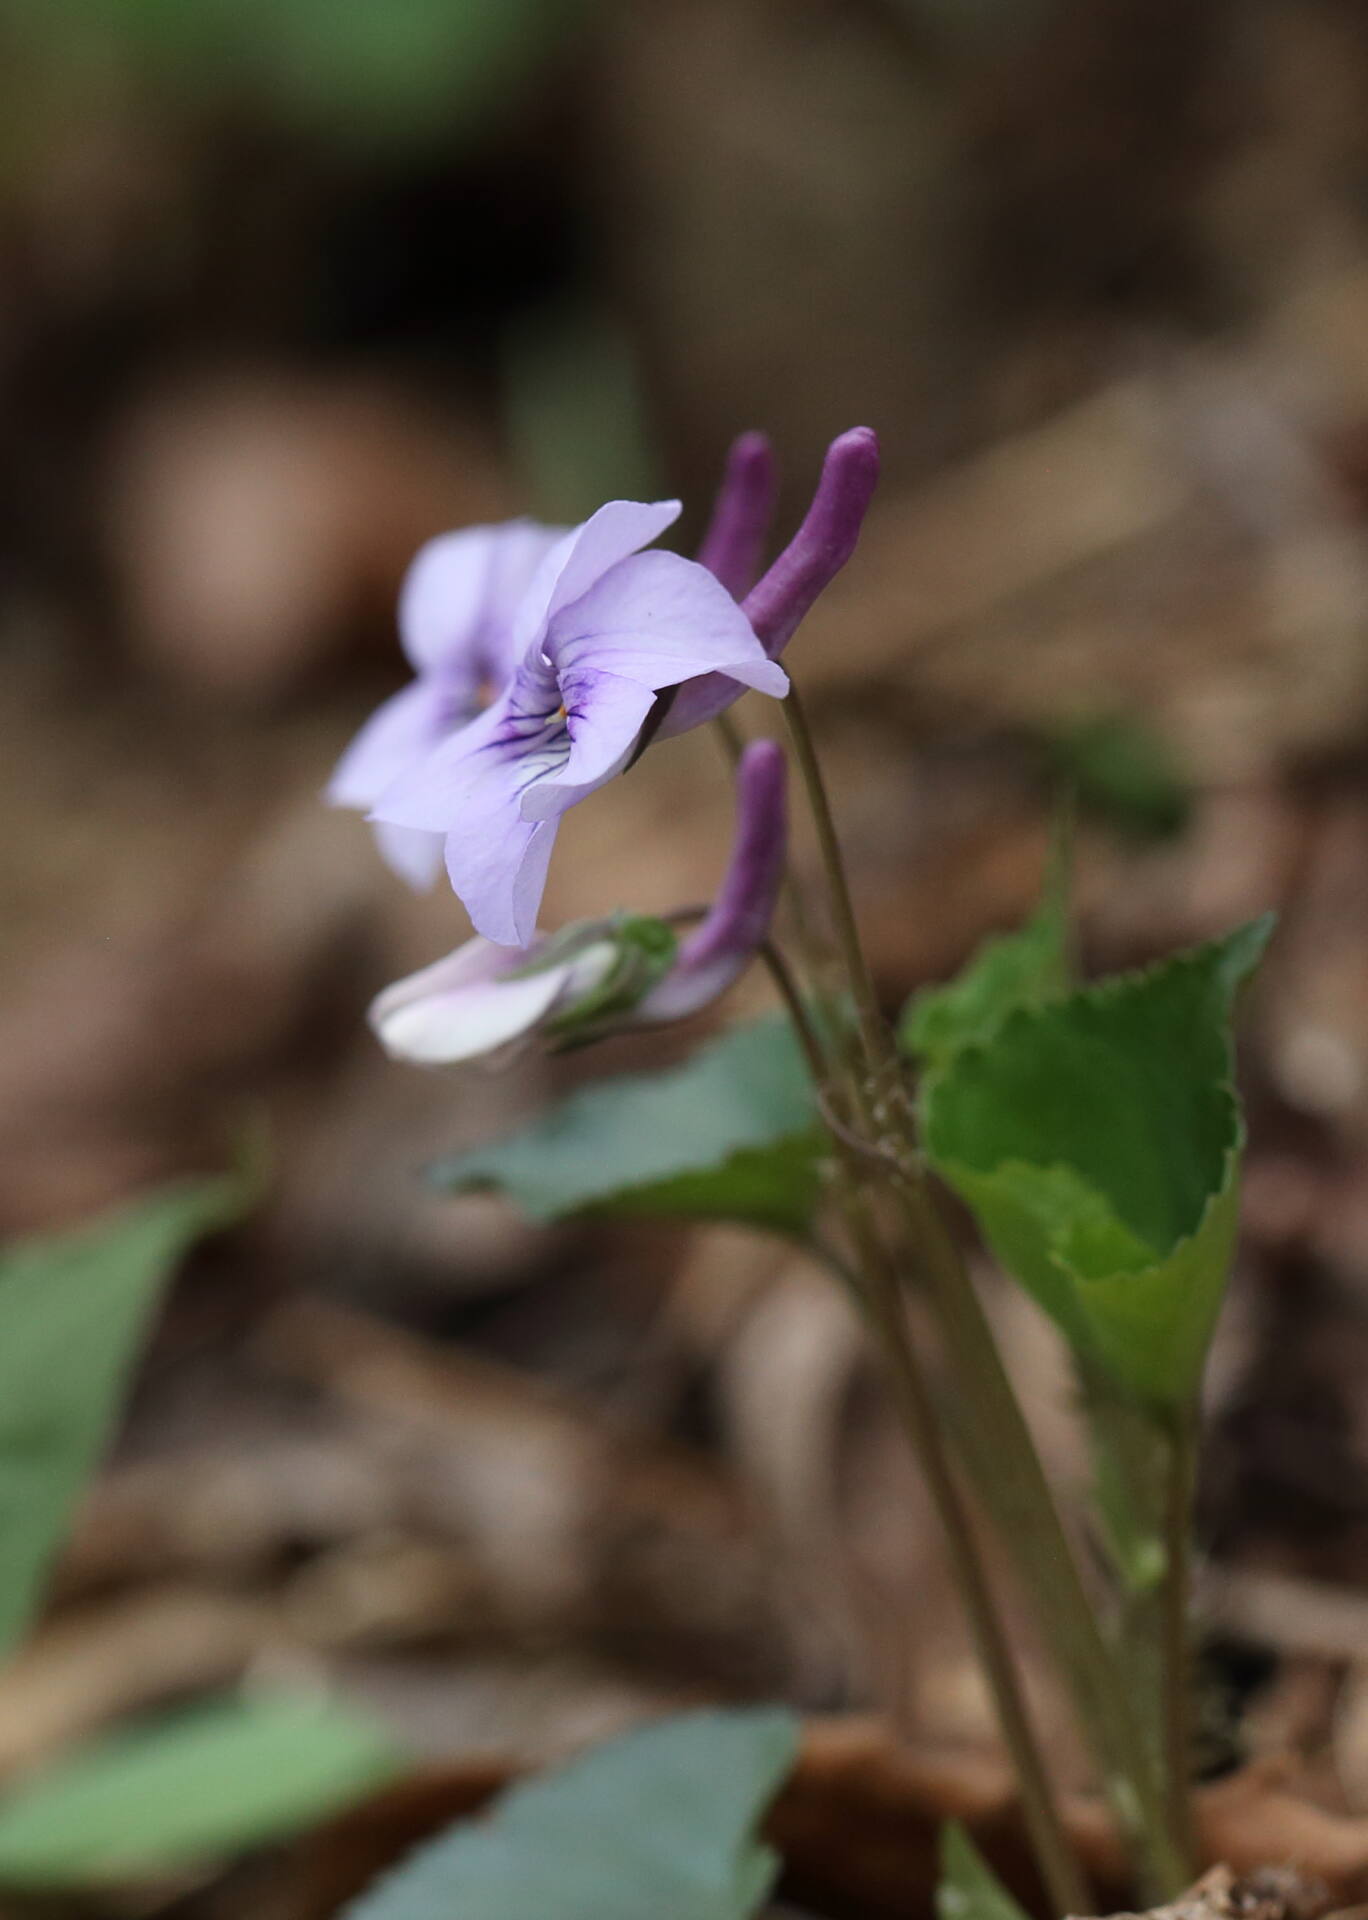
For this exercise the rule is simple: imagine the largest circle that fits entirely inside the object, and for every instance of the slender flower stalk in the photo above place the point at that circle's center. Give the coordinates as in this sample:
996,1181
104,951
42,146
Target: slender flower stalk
879,1301
1000,1452
1177,1654
873,1028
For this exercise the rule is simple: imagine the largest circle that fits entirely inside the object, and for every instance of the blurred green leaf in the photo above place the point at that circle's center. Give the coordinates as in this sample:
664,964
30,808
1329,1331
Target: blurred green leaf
1097,1140
73,1310
658,1823
576,412
1123,773
198,1787
731,1135
395,69
968,1888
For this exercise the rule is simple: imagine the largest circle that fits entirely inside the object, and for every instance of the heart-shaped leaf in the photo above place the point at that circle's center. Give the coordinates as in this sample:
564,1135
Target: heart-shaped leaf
1027,968
731,1135
661,1822
1098,1141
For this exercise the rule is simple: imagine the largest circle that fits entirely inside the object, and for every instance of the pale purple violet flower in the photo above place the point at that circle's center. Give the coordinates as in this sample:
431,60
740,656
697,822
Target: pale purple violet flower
602,628
600,977
456,610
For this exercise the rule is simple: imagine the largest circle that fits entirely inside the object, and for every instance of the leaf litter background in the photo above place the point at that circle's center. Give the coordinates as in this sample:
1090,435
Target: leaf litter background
271,315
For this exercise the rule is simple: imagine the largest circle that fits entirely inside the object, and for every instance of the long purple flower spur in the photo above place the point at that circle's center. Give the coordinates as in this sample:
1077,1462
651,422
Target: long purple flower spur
809,563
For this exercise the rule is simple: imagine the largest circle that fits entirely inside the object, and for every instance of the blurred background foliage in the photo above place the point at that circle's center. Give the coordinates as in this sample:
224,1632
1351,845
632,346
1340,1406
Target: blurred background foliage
412,73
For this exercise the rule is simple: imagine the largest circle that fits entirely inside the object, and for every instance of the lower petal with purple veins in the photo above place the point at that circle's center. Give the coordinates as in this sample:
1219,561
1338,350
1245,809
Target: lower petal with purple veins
604,717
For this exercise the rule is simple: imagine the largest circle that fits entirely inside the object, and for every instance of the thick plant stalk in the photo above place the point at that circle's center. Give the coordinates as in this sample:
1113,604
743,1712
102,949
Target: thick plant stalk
873,1033
1175,1598
877,1297
1004,1464
880,1304
1001,1456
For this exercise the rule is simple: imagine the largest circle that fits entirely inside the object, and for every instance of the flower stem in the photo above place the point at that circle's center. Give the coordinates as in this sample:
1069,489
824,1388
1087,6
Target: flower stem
873,1032
1001,1455
998,1447
790,993
877,1296
880,1302
730,738
1175,1600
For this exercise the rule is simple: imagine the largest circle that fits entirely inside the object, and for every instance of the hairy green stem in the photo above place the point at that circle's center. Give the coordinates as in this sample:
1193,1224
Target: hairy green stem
879,1299
730,738
873,1032
1175,1602
876,1294
786,985
1001,1454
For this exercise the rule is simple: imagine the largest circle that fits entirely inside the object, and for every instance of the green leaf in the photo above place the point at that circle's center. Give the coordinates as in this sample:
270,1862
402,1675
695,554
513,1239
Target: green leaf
1026,968
73,1309
577,415
658,1823
402,72
1022,969
201,1786
731,1135
968,1888
1098,1141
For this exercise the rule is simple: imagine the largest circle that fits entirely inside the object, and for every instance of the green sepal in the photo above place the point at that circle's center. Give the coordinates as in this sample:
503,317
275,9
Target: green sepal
645,952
